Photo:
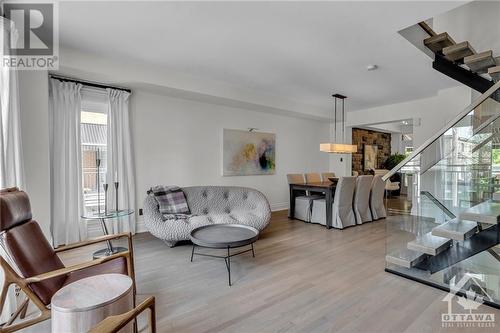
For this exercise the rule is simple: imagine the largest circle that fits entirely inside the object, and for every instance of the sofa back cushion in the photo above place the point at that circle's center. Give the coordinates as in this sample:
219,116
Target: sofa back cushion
215,200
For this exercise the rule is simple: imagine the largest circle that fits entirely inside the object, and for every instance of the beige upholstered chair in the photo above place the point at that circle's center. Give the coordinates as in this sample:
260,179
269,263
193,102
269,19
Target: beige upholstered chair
389,186
362,199
342,212
302,202
377,198
326,175
313,177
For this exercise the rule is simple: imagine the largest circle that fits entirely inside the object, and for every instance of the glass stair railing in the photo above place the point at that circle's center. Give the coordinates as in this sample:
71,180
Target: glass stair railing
452,230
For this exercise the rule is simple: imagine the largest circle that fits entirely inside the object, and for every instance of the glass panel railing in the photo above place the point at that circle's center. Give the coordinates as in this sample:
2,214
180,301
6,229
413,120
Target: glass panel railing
457,169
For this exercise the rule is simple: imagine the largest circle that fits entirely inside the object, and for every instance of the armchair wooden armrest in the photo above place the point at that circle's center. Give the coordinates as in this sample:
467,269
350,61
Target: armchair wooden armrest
93,241
115,323
69,269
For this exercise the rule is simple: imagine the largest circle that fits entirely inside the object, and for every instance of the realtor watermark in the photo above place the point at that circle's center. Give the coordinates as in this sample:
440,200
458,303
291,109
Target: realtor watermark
30,35
475,296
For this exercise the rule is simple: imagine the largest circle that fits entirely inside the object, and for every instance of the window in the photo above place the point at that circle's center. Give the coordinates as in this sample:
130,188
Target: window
408,151
94,123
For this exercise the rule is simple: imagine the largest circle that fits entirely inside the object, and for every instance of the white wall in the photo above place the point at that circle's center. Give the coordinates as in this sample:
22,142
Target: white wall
178,141
34,91
432,113
428,114
477,22
396,143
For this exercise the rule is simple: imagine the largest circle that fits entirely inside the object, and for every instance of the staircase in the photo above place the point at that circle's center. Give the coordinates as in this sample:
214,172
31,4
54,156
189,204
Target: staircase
452,230
461,62
453,233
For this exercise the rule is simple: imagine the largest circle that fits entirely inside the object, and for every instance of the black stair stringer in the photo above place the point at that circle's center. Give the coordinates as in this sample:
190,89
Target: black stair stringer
479,242
463,75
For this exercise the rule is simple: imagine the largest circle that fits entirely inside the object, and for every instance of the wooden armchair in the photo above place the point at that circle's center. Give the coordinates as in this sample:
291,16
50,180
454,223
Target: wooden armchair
36,268
115,323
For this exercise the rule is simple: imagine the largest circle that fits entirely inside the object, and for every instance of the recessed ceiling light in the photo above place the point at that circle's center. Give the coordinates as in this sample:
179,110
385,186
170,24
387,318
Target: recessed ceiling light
371,67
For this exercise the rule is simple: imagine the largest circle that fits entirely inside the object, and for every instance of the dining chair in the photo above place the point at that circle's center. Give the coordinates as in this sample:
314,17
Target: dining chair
313,177
302,201
34,266
377,206
391,187
342,212
362,199
326,175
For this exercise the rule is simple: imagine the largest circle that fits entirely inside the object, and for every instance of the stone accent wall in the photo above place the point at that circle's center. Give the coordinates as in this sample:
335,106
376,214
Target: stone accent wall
361,137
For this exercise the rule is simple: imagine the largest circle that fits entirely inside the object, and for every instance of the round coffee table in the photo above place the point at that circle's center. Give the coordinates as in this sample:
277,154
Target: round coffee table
224,236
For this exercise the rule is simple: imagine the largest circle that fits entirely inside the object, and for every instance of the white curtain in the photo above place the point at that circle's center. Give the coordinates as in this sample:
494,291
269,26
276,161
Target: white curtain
11,162
11,166
66,167
120,159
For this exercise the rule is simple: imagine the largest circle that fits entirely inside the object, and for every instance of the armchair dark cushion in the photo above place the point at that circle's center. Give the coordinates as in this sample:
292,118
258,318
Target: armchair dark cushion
33,255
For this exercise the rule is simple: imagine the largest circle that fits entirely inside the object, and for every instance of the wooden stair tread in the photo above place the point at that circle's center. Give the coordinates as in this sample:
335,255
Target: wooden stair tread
485,212
456,229
494,72
458,51
438,42
405,258
427,28
480,62
494,69
430,244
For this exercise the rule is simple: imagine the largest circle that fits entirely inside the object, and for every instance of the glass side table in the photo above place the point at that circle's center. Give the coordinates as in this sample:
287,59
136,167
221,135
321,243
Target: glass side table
110,249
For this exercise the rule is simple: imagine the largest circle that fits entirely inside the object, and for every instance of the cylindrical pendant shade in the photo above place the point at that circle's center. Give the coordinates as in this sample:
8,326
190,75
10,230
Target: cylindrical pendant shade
338,148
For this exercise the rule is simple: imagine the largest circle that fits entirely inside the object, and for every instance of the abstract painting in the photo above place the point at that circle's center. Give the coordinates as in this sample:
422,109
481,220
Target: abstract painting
370,157
247,153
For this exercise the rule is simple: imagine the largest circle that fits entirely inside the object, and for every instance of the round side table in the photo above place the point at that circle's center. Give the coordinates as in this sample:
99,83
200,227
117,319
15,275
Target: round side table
102,217
81,305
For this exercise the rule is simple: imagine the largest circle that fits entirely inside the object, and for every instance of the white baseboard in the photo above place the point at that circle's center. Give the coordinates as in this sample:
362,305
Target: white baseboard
139,225
279,206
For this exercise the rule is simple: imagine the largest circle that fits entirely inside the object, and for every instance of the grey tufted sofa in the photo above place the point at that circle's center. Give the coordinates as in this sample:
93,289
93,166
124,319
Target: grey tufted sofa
209,205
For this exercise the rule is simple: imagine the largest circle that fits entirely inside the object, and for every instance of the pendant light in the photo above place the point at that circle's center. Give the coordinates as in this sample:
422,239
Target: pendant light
338,146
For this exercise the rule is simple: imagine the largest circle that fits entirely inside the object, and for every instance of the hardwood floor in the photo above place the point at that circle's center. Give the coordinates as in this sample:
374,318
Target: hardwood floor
304,278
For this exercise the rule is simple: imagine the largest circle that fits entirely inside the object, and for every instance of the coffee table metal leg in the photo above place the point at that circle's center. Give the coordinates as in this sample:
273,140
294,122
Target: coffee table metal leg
229,265
227,258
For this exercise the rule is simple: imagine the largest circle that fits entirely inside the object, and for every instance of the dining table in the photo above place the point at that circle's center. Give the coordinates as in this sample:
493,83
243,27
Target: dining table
325,187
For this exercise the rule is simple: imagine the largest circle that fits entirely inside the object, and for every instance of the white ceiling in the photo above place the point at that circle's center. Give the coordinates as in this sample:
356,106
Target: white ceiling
301,51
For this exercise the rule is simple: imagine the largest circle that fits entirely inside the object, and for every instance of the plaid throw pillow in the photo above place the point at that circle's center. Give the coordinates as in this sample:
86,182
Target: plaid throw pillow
171,199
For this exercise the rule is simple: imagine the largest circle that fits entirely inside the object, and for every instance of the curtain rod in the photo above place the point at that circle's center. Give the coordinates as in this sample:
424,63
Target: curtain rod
87,83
